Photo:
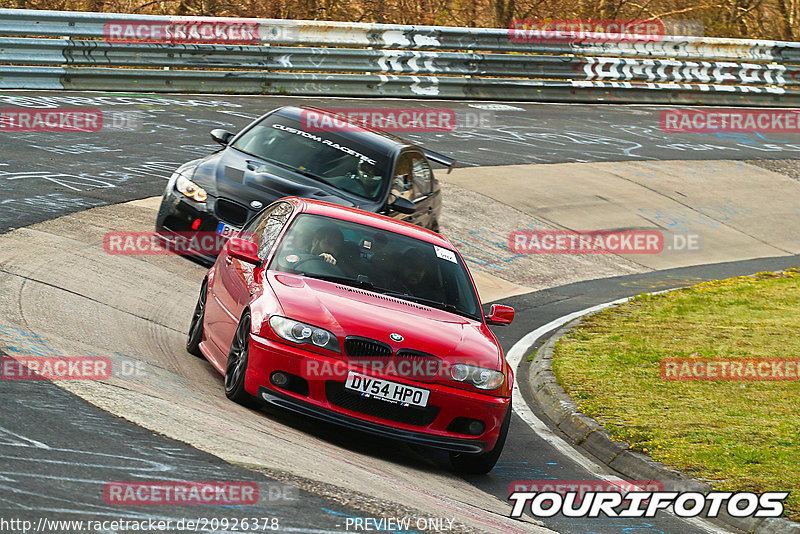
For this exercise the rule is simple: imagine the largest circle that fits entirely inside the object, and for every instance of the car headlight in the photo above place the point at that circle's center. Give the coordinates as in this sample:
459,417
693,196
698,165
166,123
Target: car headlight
480,377
190,189
298,332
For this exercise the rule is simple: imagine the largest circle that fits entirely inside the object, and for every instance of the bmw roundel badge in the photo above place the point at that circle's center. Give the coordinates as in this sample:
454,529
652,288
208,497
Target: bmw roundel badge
396,337
256,205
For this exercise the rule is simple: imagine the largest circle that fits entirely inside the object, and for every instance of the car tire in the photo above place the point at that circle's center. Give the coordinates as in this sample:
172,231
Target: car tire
480,464
196,327
236,367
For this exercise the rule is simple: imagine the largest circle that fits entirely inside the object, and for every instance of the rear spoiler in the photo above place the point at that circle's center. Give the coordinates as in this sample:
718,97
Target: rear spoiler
440,159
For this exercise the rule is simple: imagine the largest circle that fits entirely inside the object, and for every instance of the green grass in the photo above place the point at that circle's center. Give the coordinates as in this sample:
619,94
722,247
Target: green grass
740,436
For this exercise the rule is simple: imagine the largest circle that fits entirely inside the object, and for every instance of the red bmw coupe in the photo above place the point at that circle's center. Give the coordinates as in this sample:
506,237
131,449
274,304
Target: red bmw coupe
360,320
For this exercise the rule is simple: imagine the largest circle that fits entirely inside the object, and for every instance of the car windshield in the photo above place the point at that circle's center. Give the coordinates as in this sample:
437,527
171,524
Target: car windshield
330,158
377,260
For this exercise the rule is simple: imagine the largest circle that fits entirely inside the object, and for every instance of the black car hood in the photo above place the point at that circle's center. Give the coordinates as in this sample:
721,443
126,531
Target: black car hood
238,176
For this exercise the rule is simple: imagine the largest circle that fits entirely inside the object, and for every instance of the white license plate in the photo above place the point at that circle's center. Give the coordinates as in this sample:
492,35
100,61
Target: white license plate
388,391
226,230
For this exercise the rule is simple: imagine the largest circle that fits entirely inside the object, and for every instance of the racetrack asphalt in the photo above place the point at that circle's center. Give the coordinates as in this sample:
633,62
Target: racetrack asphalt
44,176
59,452
145,137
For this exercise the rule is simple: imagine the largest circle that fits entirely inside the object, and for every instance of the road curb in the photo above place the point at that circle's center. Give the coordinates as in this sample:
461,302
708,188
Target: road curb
590,436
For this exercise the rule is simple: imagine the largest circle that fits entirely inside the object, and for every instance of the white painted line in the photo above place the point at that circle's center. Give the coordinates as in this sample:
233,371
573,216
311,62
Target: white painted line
514,358
28,441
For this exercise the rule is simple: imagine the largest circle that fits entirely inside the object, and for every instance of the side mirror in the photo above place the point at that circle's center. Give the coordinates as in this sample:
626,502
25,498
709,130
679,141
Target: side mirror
221,136
403,205
243,250
500,315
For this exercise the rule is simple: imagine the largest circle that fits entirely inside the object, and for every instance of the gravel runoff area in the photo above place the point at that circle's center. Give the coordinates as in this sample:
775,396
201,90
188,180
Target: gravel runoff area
787,167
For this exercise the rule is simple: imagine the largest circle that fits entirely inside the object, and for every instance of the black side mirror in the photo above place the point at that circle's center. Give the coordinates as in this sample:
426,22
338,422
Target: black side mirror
403,205
221,136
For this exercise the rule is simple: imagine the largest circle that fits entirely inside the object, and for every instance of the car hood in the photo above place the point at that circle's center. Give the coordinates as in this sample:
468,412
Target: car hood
235,175
351,311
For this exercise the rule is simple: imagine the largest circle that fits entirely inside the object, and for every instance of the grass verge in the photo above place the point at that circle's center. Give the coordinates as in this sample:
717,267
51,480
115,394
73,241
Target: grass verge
735,435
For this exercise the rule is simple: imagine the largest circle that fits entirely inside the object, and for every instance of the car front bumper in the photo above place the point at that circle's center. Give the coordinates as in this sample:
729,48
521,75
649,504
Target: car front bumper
177,215
322,400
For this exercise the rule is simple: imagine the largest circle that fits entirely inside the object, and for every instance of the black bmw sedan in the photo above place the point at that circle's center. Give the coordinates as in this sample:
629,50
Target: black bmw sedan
278,155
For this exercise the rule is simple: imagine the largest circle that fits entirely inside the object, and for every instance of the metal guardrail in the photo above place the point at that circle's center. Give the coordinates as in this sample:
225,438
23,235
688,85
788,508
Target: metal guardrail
274,58
337,58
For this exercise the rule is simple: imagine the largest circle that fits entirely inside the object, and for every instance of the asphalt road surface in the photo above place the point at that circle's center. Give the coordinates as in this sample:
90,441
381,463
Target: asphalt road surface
59,452
145,137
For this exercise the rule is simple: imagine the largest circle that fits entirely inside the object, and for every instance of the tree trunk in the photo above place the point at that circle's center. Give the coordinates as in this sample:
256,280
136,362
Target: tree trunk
503,12
94,5
785,25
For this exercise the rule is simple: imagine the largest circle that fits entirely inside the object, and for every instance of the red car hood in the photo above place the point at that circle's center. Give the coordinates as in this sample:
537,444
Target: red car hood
350,311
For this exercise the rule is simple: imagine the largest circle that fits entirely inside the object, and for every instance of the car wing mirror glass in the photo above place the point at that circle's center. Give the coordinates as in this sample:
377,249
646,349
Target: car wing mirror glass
221,136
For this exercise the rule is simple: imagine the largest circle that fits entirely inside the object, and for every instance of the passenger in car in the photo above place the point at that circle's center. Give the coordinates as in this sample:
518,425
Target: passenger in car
417,277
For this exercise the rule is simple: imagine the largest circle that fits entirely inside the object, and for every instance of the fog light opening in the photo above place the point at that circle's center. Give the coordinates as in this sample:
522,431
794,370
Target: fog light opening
468,426
279,379
475,428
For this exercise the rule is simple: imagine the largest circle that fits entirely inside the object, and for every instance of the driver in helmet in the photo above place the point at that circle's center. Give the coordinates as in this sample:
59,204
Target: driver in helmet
368,177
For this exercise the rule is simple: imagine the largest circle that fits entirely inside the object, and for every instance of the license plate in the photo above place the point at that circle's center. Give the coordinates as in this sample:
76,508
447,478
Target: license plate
226,230
387,391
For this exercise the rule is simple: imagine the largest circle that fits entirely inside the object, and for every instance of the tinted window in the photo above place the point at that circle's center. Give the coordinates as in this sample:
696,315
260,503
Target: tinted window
329,157
386,262
266,227
412,177
402,185
422,176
